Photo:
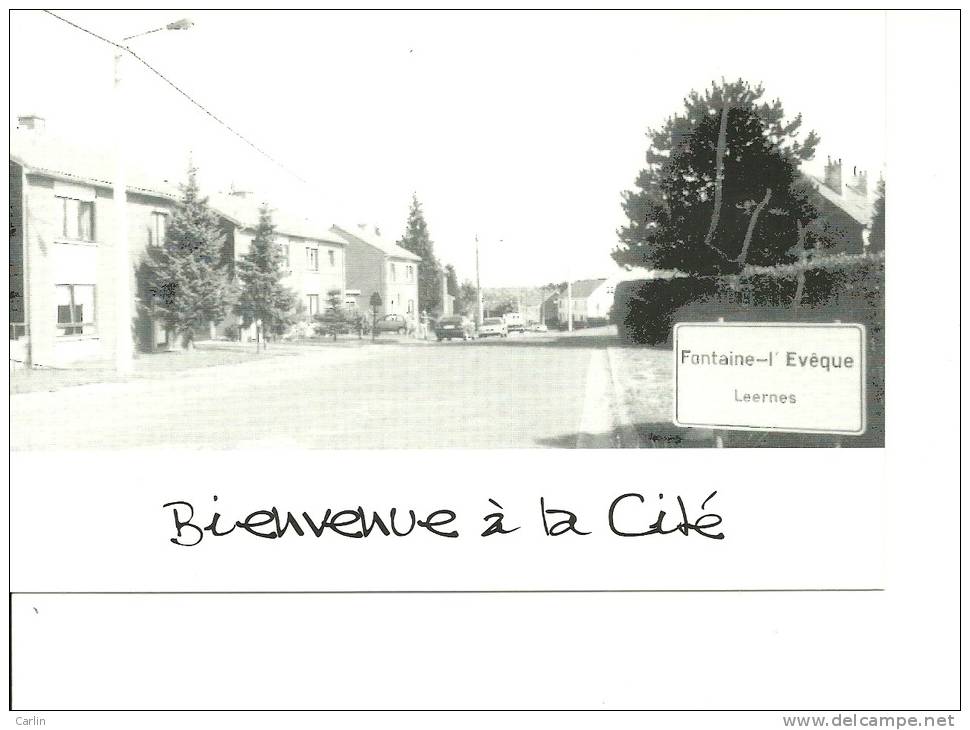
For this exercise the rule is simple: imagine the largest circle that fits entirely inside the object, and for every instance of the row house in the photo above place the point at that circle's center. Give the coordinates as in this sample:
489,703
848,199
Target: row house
378,266
62,242
591,301
63,276
549,309
314,255
846,202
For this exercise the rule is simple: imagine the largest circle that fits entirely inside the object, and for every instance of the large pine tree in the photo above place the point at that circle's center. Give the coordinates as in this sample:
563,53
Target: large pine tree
417,240
187,278
263,298
721,188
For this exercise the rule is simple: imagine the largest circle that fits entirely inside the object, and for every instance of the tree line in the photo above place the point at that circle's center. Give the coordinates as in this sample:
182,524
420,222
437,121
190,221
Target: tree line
191,279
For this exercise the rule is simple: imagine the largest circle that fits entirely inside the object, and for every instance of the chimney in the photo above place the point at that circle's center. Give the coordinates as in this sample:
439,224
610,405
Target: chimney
31,121
833,175
859,184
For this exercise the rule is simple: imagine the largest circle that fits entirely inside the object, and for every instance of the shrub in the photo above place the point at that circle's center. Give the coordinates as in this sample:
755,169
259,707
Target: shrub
642,309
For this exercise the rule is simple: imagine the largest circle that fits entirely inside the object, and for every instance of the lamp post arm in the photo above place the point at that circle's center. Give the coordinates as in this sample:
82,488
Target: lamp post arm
124,346
139,35
183,24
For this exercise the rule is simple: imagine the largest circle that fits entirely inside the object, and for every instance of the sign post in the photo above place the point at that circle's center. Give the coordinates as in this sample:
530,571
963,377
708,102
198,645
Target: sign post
796,378
375,304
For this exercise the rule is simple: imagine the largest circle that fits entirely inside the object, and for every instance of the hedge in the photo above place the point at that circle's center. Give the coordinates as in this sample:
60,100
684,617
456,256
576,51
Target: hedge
844,287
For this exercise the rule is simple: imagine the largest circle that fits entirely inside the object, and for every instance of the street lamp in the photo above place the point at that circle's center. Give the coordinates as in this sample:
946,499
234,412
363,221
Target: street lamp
569,304
124,342
478,284
183,24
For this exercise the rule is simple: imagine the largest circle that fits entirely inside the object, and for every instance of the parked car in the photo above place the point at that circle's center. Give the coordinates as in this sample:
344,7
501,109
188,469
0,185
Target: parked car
538,327
448,328
493,327
391,323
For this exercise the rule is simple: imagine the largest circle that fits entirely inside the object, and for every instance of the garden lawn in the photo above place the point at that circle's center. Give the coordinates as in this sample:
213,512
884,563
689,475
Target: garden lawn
147,365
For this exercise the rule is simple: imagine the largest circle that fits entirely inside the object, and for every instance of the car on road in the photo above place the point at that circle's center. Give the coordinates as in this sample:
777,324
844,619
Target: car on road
493,327
448,328
538,327
514,321
391,323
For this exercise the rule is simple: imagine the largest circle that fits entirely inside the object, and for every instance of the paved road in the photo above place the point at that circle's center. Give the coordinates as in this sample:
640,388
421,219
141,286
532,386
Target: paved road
526,391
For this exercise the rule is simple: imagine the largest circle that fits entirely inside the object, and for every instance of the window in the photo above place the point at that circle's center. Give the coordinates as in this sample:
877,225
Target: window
393,272
75,309
156,229
332,256
77,219
410,273
284,247
312,259
410,306
312,303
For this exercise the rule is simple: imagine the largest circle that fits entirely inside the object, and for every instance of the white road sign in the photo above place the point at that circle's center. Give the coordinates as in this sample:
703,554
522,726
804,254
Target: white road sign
802,378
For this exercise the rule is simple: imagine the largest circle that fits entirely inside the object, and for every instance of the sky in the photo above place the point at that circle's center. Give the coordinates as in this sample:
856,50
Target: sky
521,128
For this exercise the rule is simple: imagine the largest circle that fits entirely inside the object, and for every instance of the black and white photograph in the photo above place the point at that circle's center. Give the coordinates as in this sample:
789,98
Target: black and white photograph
441,245
353,355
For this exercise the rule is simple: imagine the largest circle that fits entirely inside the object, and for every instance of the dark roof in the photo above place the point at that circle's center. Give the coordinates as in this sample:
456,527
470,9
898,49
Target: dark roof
45,154
856,207
244,212
379,242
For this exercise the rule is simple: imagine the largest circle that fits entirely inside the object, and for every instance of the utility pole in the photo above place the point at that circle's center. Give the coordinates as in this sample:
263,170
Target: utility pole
569,304
478,286
124,344
124,309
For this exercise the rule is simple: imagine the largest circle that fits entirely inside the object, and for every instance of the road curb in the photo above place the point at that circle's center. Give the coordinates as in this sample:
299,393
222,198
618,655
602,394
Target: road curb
626,435
597,426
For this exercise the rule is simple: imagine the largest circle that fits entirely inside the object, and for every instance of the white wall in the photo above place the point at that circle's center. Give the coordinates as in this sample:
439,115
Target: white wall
601,300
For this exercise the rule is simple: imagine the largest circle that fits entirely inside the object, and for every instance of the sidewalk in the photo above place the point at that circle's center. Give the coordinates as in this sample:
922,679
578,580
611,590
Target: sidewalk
205,357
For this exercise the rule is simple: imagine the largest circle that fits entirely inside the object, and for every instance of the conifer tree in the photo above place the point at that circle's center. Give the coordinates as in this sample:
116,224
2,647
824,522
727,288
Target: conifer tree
186,276
417,240
263,299
721,187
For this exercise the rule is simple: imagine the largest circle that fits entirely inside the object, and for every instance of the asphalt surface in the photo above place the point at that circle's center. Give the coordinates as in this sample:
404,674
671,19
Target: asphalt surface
526,391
